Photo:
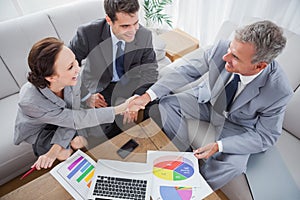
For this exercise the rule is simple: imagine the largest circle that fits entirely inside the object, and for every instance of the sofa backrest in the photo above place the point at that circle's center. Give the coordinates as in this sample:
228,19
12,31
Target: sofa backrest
289,59
292,115
77,13
17,37
7,82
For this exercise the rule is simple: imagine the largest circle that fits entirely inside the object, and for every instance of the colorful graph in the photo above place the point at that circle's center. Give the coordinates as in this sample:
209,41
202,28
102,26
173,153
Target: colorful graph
84,169
173,168
175,193
76,174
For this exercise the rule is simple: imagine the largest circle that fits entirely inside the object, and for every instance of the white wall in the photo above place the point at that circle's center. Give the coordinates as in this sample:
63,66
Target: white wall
203,18
200,18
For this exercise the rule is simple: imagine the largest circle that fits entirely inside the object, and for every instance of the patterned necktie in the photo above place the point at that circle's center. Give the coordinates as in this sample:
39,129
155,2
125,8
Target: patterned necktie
120,60
231,89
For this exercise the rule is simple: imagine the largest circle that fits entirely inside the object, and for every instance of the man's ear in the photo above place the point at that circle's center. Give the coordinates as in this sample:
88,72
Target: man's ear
108,20
260,66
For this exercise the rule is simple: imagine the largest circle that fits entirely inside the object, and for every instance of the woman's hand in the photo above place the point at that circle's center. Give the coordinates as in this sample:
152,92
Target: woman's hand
96,101
56,152
123,108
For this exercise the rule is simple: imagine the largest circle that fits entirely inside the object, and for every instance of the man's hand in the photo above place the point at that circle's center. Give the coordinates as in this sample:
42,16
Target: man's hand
206,151
136,103
96,101
139,102
132,115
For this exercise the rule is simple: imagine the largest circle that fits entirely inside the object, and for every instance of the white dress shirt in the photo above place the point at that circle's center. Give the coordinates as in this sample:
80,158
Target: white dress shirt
115,40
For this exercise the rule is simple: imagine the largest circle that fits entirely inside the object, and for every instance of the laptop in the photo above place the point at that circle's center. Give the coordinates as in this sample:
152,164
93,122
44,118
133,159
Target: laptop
119,180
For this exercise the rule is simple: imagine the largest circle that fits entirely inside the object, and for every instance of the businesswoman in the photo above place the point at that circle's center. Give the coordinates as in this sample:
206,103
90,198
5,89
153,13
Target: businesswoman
49,115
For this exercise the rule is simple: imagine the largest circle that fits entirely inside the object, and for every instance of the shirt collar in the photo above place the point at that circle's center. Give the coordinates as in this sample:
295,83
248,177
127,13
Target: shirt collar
114,39
52,97
247,79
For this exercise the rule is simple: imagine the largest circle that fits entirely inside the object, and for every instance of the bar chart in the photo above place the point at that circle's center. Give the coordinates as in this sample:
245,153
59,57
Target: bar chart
75,174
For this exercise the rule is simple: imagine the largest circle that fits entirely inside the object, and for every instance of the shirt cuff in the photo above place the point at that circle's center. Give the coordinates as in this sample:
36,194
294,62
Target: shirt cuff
220,145
86,97
152,95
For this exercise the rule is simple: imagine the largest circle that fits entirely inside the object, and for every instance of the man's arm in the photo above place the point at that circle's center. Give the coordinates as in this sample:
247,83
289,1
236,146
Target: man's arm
180,73
148,68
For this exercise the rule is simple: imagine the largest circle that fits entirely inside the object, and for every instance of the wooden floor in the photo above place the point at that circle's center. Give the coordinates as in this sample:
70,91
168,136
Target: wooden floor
15,183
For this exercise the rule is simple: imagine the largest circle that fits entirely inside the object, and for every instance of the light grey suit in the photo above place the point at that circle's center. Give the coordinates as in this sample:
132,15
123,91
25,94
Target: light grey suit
252,125
39,107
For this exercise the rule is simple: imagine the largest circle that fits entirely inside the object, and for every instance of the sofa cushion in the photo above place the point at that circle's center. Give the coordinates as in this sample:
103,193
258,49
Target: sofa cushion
275,173
17,37
289,148
14,160
8,84
78,13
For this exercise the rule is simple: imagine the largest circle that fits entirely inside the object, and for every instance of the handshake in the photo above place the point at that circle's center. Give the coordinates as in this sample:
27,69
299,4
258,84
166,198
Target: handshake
129,109
132,106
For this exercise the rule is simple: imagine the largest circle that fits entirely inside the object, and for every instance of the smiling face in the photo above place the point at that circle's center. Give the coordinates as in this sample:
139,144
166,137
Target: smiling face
66,70
125,26
238,59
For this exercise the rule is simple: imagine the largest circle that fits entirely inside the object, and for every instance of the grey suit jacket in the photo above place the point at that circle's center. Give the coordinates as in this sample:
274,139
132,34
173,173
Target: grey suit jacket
93,43
255,119
39,107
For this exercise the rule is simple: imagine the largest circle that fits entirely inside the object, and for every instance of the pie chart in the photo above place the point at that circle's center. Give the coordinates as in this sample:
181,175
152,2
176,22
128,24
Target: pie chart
173,168
176,193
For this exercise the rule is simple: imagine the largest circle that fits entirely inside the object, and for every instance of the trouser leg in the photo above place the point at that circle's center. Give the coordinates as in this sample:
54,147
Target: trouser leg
175,110
220,168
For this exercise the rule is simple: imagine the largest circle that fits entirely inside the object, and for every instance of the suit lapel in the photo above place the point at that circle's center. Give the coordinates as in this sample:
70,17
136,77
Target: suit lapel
219,84
52,97
251,90
106,47
130,51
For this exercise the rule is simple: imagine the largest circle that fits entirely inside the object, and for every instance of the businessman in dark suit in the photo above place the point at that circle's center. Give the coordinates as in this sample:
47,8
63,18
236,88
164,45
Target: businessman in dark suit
110,73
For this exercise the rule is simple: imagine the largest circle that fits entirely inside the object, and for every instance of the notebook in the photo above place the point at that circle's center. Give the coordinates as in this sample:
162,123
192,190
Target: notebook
119,180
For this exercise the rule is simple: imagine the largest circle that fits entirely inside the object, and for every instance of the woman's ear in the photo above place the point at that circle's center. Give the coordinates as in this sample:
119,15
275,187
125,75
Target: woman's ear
51,78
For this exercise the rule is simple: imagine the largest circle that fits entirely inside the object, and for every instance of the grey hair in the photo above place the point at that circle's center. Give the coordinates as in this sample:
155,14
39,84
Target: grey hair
267,38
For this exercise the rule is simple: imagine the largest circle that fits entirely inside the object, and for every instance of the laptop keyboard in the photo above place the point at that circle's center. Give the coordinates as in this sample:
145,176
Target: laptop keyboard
122,188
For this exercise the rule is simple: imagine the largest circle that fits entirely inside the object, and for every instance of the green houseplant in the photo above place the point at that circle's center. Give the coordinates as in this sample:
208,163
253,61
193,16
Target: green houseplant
154,12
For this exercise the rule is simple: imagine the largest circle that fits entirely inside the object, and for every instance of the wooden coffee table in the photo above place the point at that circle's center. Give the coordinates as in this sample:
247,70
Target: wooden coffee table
146,133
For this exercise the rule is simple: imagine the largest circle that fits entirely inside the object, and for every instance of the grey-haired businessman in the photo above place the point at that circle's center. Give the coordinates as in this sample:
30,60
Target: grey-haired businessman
253,121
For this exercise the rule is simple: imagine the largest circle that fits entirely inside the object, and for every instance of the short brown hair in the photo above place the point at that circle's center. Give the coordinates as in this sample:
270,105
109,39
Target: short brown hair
114,6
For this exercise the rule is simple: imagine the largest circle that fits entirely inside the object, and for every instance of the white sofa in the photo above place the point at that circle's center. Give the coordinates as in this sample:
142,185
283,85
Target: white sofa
16,38
262,178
